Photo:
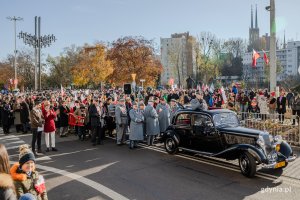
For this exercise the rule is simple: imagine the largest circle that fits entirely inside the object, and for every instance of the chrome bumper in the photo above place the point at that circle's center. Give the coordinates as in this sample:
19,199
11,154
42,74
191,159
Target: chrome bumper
273,165
291,158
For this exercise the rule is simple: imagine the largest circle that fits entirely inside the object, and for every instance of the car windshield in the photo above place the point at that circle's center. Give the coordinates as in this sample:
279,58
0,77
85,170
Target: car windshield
226,120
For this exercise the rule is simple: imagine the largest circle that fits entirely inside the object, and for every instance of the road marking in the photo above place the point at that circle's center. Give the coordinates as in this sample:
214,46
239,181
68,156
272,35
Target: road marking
260,175
11,142
62,154
92,160
97,186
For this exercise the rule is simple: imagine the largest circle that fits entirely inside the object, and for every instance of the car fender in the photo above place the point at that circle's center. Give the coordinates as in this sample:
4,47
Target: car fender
285,149
255,152
171,133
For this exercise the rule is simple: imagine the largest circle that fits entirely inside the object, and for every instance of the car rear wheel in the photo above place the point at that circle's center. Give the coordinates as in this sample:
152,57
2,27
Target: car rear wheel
247,164
171,145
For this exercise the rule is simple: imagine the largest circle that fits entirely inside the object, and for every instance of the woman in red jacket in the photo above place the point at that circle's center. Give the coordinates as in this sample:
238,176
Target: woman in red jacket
49,126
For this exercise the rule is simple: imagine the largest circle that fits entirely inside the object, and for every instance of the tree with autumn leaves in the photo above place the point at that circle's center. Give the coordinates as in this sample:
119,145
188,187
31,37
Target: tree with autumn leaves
93,66
133,55
115,63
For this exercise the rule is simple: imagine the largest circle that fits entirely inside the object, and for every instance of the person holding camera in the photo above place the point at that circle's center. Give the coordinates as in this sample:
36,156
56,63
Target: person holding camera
49,127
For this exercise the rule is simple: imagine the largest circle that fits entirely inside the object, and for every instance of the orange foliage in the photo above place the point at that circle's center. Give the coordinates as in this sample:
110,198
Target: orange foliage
93,68
6,73
133,55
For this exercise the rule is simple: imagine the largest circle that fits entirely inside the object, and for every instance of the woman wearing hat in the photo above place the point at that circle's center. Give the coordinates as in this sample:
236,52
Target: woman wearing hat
272,105
7,188
25,176
136,126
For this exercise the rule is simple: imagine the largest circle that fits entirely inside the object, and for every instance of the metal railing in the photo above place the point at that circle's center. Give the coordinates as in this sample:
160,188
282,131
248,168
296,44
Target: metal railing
288,127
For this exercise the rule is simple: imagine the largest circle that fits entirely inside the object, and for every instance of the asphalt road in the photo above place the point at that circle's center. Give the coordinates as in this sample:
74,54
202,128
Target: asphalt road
81,171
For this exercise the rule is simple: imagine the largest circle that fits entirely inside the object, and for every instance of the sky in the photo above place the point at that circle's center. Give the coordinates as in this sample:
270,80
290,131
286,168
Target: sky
87,21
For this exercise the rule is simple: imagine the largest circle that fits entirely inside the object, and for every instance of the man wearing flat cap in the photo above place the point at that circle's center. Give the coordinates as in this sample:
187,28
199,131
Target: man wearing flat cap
121,121
163,110
152,123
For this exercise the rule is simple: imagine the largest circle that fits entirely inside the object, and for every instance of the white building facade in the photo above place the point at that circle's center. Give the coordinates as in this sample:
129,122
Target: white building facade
178,60
288,58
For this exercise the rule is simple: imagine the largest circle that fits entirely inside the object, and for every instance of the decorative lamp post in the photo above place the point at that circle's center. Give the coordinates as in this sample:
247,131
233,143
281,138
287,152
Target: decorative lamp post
37,42
15,19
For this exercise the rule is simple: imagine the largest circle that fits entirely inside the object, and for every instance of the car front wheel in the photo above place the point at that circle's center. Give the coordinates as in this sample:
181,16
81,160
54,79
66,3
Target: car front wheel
171,145
247,164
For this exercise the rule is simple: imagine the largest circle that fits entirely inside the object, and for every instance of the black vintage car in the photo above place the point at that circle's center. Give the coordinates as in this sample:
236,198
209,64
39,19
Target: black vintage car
217,133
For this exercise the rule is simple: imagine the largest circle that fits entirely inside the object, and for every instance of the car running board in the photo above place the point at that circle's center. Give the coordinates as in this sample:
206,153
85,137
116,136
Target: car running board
197,152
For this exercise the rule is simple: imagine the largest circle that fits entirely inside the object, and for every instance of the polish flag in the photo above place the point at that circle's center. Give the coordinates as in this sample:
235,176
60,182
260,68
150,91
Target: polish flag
255,56
266,58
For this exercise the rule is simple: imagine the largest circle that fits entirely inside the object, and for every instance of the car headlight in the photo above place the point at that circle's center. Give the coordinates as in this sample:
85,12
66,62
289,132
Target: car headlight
271,138
272,157
260,141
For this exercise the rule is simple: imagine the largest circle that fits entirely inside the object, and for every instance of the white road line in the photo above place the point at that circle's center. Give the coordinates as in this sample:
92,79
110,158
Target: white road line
16,142
97,186
260,175
14,147
14,138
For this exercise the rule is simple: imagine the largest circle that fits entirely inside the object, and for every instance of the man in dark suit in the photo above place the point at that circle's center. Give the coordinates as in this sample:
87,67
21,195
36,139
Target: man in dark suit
281,106
94,113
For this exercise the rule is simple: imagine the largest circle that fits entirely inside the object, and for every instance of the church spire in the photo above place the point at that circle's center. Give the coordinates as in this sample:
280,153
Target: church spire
284,43
251,17
256,23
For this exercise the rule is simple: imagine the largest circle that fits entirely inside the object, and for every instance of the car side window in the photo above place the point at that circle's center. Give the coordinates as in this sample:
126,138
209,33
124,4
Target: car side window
183,119
201,120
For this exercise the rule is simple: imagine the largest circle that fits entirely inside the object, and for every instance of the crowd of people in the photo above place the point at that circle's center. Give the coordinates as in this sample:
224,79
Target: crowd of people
93,115
145,114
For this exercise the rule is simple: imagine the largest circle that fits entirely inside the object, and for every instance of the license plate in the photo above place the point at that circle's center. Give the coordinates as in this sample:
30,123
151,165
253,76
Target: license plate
280,164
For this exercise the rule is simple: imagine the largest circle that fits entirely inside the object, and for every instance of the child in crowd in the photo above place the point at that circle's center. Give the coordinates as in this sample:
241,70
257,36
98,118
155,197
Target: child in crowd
25,176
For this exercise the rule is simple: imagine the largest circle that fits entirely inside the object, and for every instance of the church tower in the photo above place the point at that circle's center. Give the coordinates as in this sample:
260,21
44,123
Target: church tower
254,41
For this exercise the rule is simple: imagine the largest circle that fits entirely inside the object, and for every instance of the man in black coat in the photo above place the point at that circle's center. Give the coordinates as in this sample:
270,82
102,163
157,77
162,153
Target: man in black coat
95,119
281,106
6,115
24,115
64,119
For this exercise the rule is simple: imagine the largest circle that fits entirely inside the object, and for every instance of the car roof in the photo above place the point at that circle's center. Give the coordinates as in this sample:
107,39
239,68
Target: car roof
210,112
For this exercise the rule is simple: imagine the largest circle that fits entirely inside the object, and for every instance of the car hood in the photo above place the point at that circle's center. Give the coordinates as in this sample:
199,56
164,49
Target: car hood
240,130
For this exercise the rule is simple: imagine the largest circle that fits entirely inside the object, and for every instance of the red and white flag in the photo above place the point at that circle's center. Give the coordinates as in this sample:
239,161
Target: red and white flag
266,58
255,56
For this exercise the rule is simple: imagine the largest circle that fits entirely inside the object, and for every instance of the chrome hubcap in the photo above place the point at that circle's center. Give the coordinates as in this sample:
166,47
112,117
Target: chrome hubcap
244,164
170,144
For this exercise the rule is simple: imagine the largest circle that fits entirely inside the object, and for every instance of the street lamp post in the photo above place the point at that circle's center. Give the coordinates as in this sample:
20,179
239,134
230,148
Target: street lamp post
273,79
15,19
37,41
